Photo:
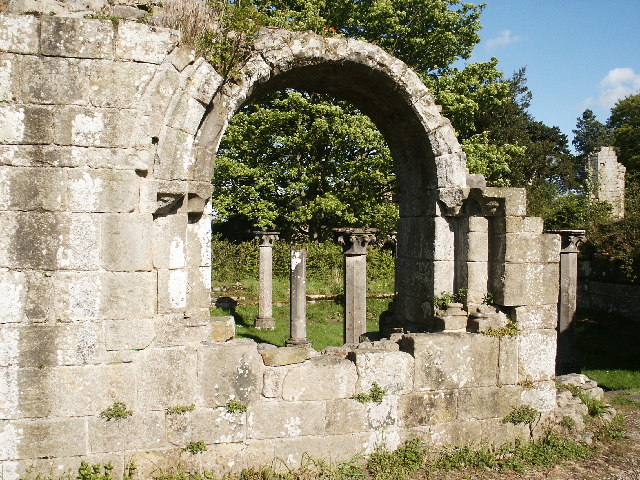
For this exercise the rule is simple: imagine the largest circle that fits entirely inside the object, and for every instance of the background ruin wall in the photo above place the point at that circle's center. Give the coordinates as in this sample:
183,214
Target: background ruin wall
105,279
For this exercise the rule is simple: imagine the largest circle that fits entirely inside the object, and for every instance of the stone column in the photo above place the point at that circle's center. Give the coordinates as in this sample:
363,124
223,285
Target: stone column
566,361
298,305
265,320
354,242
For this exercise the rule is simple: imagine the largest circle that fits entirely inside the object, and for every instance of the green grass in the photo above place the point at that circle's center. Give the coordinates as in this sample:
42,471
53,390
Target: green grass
324,322
608,350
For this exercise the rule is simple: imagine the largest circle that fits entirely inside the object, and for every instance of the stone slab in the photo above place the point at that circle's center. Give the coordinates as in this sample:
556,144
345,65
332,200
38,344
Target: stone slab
320,378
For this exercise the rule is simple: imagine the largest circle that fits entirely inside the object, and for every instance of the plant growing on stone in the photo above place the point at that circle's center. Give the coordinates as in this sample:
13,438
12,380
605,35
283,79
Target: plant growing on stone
509,330
196,447
180,410
375,395
523,414
234,406
596,407
97,471
117,411
567,422
399,464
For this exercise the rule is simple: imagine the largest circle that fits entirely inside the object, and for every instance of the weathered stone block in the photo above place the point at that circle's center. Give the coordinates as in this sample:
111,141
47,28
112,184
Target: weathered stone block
427,408
199,242
127,295
76,37
277,419
273,380
443,277
188,115
393,371
285,355
452,360
223,328
118,84
477,281
444,243
450,166
536,317
94,127
486,402
167,377
174,330
49,345
515,199
542,396
478,224
508,361
346,416
19,33
51,437
33,189
172,290
527,284
176,156
230,370
206,424
170,242
536,353
227,457
28,124
126,242
13,286
139,431
32,80
92,190
320,378
129,334
477,246
455,433
528,247
198,289
143,43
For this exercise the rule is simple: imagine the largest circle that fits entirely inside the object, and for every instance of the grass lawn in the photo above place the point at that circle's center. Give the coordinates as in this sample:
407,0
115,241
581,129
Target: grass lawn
609,350
324,322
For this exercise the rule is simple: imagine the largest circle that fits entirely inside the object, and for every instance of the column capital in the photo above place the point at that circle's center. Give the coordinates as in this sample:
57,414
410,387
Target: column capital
571,239
354,241
266,239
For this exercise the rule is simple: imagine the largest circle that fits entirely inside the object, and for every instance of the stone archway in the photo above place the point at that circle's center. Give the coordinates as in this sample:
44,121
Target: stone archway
427,156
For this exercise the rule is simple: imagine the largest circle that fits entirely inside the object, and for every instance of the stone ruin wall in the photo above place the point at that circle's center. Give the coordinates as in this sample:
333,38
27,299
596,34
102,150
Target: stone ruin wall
106,138
607,175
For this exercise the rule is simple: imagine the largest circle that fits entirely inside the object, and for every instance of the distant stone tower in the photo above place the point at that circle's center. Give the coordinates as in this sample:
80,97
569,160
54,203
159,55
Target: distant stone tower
608,179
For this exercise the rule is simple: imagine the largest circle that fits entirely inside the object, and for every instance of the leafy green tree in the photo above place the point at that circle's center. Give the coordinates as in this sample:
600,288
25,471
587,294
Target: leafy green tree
308,166
625,124
590,134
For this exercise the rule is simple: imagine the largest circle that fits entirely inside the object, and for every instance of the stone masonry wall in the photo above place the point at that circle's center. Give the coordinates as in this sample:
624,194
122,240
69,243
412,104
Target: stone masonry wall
608,176
107,137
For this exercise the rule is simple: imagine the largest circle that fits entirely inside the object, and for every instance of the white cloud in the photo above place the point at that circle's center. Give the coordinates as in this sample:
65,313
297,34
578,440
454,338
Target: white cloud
505,38
617,84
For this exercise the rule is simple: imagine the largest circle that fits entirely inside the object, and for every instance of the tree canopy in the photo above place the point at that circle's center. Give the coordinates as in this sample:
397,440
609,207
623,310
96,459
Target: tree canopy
625,124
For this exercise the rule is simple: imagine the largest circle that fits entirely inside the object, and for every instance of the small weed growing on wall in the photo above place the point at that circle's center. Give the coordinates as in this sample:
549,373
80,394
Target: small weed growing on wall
526,383
567,422
613,430
397,465
234,406
130,470
375,395
488,298
522,414
196,447
117,411
443,300
87,471
509,330
180,410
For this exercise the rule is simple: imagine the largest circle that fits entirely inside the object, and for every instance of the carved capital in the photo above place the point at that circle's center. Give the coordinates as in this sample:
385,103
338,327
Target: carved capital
571,240
354,241
266,239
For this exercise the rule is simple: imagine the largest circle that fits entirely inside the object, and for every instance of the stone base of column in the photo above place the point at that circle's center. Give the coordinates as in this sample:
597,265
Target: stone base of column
265,323
294,342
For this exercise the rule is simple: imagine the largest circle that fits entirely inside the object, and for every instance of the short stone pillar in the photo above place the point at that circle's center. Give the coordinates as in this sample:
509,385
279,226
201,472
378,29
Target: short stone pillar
354,242
265,320
566,360
298,297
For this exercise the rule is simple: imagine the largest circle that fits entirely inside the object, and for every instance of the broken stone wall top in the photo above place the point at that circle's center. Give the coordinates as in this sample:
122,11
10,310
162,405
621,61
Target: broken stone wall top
131,9
608,176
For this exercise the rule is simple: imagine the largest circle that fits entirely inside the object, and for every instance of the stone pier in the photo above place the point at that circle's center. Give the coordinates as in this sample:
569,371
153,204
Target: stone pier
298,298
566,361
265,320
354,242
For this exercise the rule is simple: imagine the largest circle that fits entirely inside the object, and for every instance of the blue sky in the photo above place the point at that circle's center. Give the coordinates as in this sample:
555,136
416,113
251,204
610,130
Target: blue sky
578,53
